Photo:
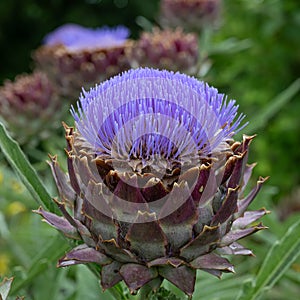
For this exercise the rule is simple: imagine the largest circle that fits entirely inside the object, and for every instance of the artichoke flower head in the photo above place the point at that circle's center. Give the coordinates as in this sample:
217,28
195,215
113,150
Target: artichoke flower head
155,181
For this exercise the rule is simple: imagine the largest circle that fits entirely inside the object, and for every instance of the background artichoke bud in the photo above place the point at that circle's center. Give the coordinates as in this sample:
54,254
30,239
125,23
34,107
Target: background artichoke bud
30,106
167,49
192,15
149,206
73,55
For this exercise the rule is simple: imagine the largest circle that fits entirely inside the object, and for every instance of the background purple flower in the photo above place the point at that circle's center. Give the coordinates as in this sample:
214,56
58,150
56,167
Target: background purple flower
76,37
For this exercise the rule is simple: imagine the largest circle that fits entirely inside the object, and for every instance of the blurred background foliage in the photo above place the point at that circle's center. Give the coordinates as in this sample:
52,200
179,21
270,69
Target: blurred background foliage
269,63
254,56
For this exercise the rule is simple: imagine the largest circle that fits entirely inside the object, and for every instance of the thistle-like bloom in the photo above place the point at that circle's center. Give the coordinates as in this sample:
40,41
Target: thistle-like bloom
75,37
74,55
192,15
167,49
29,105
155,180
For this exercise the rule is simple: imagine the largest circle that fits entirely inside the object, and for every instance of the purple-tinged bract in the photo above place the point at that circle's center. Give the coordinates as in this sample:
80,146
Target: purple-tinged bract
155,181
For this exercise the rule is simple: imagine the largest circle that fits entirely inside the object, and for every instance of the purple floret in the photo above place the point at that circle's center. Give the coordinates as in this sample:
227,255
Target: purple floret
76,37
147,113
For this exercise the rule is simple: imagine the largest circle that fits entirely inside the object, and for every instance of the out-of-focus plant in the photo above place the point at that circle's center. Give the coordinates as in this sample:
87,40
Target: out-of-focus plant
31,108
74,56
267,66
167,49
192,15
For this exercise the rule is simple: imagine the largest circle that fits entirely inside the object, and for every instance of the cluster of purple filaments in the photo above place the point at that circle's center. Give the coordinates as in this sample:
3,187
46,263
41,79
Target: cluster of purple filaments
148,114
76,37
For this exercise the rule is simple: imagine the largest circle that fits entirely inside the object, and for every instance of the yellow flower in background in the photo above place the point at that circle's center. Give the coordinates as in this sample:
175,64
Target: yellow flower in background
15,208
16,186
1,177
4,264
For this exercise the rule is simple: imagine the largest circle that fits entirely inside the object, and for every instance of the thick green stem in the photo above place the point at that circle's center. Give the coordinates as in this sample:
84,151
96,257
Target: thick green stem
119,292
144,292
116,294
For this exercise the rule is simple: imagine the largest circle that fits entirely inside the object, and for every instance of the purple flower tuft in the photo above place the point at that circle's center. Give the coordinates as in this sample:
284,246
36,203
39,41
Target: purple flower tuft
150,114
76,37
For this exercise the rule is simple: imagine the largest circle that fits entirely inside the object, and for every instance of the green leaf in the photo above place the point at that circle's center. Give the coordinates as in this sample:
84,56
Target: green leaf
53,284
209,287
144,23
263,117
88,286
54,250
173,289
283,253
162,293
25,171
230,46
